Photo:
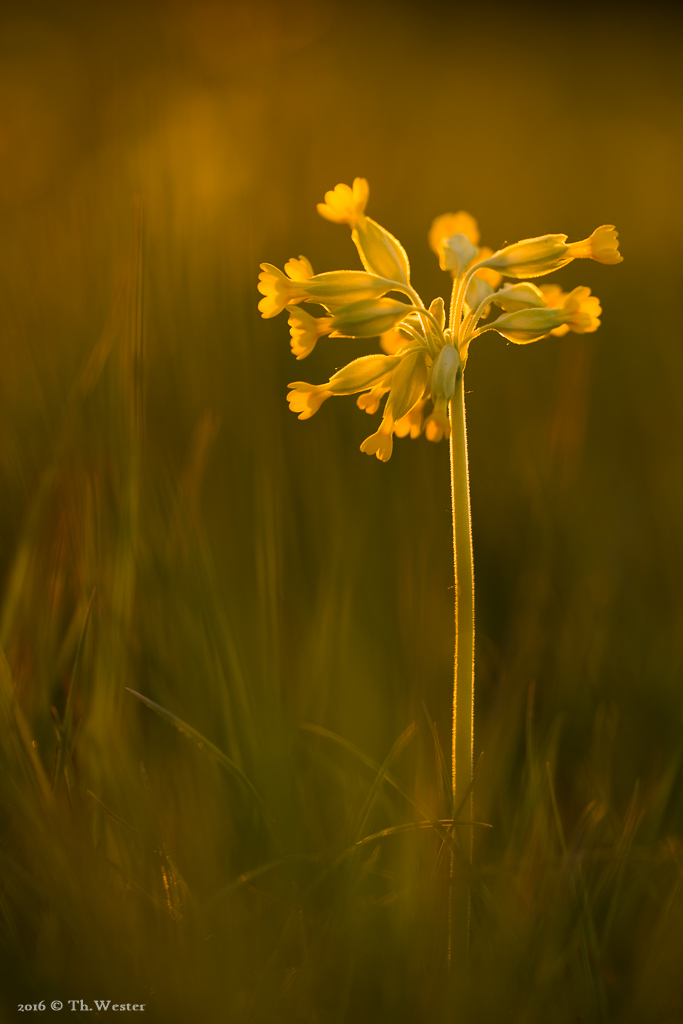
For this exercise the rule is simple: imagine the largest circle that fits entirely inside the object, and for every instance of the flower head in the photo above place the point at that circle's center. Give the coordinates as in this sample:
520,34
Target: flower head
602,246
579,304
448,224
424,352
305,330
344,205
279,290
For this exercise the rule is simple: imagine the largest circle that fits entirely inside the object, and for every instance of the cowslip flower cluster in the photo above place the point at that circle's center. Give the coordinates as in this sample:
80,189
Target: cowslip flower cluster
423,351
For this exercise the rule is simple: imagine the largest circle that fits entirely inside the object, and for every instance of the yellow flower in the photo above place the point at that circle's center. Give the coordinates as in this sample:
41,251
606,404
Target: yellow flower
437,424
392,341
332,290
448,224
306,399
601,246
381,443
305,330
379,251
553,296
411,423
408,383
445,373
344,205
279,291
298,270
582,311
444,228
370,399
425,350
579,311
358,375
580,303
531,257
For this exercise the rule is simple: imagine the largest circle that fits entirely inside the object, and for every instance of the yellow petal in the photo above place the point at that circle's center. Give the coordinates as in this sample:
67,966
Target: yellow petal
370,400
306,399
381,443
392,341
305,330
448,224
601,246
345,205
411,423
298,269
437,424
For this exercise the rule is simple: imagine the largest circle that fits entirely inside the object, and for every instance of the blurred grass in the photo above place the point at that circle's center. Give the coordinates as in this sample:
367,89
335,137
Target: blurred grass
253,573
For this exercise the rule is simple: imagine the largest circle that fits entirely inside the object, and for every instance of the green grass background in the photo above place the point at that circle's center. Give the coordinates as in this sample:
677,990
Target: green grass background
253,573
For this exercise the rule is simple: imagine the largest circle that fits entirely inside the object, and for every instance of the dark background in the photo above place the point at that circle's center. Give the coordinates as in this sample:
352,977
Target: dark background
244,559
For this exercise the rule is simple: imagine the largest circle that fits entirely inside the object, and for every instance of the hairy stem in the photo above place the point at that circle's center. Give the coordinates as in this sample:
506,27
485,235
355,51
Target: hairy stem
463,690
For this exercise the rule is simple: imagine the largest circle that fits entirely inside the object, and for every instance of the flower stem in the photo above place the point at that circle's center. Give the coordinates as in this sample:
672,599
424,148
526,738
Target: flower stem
463,690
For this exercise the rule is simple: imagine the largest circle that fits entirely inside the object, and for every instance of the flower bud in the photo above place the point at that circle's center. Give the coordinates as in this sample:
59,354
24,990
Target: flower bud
477,290
445,372
341,287
520,296
438,311
361,373
532,257
380,252
367,318
457,252
527,325
407,383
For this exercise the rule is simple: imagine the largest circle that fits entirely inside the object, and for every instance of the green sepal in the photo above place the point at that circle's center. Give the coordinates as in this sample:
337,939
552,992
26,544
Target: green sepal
380,252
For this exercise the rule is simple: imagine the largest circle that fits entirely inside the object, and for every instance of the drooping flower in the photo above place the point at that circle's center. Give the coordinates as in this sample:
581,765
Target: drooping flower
424,352
579,301
305,330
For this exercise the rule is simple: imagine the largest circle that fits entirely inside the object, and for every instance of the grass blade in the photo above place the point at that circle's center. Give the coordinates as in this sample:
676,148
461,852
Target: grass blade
210,748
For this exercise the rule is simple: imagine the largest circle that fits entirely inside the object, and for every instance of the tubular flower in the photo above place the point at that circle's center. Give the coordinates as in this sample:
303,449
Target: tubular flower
344,205
601,246
424,351
305,330
306,399
298,269
407,388
579,303
411,424
279,291
534,257
370,400
330,290
582,311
